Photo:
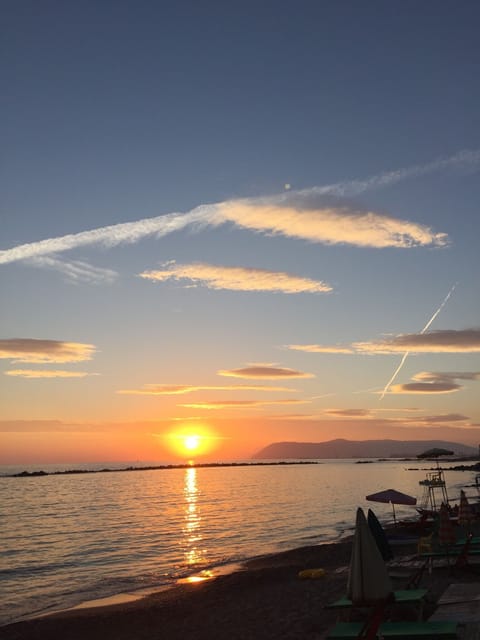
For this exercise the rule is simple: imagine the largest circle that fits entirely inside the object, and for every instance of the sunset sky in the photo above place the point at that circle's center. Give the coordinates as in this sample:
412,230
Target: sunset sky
239,223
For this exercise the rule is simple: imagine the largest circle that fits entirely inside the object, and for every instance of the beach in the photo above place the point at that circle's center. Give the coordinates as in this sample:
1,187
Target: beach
266,599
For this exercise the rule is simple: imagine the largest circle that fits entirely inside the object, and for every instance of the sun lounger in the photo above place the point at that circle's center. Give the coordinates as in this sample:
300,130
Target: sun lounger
461,554
402,596
405,630
454,552
408,571
474,540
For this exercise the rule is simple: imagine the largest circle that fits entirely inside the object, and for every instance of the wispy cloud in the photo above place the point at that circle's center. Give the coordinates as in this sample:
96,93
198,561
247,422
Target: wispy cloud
425,387
440,341
239,404
439,419
44,426
236,278
331,225
44,351
180,389
319,348
75,271
349,413
433,382
265,372
433,376
41,373
290,416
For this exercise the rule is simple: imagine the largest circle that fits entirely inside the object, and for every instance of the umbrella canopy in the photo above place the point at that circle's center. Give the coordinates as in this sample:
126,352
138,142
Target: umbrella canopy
446,530
368,581
436,452
393,497
465,513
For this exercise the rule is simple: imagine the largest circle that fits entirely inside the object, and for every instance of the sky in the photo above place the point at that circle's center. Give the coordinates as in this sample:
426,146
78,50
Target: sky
230,224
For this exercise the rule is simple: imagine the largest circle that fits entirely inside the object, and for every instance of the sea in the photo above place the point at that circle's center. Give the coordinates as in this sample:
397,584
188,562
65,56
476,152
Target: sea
70,540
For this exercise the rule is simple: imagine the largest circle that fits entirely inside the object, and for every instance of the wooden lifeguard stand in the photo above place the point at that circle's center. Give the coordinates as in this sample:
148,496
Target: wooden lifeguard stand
434,491
435,488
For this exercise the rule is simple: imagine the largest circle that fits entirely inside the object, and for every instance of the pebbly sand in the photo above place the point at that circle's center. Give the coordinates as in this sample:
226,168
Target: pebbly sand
266,600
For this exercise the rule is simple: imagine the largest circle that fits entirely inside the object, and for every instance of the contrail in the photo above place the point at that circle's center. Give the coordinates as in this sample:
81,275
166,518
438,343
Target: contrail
425,328
126,232
355,187
211,214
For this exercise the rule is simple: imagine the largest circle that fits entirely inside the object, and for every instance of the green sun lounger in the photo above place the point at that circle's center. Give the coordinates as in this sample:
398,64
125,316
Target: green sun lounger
404,630
453,553
401,596
415,597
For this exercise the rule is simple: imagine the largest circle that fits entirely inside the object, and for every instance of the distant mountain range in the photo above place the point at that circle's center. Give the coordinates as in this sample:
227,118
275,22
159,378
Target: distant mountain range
359,449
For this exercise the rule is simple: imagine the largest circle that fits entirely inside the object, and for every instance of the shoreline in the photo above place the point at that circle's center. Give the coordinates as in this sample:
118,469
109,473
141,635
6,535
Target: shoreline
262,598
125,597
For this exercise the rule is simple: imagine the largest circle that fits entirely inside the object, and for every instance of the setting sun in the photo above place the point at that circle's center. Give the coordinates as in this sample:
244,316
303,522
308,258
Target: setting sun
193,439
191,443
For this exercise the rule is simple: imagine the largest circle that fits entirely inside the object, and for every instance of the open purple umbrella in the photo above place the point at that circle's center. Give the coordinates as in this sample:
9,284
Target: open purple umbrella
393,497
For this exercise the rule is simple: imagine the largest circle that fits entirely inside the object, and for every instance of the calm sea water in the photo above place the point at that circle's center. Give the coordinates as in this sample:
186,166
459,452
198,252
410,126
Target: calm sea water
69,539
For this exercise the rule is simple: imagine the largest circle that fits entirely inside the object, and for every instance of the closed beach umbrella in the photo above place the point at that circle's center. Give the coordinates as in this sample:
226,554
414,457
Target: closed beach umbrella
379,535
446,530
465,513
368,580
393,497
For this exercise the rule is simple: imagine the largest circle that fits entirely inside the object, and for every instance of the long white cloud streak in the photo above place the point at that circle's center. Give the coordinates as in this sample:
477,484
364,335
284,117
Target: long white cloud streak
406,354
211,214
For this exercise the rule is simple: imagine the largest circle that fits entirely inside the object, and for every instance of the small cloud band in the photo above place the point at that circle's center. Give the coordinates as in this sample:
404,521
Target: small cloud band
32,373
237,278
264,372
31,350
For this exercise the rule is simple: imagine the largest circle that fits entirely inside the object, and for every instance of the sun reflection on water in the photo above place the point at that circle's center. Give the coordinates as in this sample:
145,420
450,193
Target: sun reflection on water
192,534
